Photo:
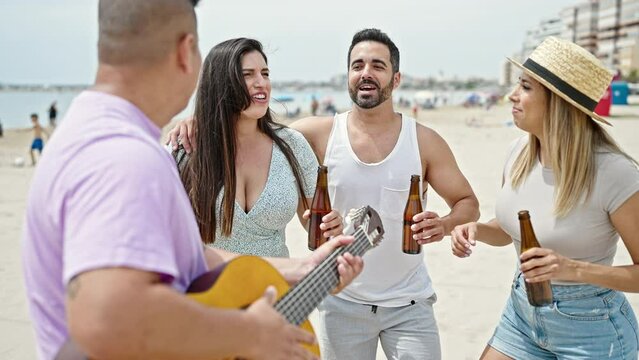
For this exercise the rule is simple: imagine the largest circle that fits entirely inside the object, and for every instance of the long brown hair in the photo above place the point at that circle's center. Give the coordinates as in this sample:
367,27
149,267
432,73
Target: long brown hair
572,139
221,96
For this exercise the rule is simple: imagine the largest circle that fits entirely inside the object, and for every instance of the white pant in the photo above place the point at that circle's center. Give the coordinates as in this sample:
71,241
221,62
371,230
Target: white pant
349,330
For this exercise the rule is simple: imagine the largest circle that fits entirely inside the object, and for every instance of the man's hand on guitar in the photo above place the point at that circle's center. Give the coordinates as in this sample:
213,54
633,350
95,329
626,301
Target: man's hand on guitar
349,266
273,332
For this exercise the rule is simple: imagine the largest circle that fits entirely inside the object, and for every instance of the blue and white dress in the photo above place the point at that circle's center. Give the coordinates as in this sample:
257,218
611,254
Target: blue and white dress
261,231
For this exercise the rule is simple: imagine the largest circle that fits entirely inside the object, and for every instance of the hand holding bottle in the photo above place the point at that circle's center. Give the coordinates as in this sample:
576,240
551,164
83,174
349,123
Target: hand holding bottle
320,208
428,227
541,264
539,293
332,223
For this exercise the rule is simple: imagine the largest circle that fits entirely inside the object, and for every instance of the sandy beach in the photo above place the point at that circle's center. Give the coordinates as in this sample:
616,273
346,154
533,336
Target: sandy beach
471,292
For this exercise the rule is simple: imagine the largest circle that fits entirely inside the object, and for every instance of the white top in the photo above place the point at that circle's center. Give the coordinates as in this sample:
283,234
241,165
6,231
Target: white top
390,277
585,233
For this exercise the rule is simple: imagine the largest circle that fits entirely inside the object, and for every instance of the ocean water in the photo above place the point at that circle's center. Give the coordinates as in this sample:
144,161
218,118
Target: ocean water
16,107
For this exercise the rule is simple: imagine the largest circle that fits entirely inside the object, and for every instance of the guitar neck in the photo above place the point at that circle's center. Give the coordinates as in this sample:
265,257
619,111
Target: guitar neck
304,297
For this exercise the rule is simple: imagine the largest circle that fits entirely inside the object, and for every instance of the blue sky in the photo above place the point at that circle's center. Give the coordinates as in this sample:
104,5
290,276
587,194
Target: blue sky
54,41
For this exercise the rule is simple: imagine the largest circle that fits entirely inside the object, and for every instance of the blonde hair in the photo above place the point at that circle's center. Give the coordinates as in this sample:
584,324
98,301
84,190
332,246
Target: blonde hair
572,139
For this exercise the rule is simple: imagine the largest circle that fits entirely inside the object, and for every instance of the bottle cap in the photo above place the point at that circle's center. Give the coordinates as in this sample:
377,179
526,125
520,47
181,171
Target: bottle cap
523,215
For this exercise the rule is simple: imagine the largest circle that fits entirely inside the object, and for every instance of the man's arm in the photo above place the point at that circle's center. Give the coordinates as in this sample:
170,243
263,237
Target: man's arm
444,176
122,313
316,130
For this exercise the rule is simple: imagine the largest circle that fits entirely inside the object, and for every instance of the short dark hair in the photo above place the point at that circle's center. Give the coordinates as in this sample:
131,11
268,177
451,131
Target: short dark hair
34,115
142,31
377,36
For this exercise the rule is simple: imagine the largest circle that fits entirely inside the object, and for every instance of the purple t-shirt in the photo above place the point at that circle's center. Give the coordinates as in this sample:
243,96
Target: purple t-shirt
105,194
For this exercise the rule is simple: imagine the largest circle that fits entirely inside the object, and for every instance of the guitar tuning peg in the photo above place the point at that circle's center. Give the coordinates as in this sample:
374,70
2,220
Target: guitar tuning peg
349,227
376,236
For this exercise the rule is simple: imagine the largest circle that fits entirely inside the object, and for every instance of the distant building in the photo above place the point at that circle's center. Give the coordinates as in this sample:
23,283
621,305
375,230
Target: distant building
506,74
510,73
607,28
608,34
580,24
626,46
618,35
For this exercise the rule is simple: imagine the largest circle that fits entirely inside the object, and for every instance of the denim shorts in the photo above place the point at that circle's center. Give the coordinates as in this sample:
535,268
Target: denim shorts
583,322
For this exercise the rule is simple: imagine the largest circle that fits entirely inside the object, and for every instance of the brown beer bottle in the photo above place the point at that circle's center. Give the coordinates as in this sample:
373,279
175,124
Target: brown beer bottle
539,294
413,207
321,206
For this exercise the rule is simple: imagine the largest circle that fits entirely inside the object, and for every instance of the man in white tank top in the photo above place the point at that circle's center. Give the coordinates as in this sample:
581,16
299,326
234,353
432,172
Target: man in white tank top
371,152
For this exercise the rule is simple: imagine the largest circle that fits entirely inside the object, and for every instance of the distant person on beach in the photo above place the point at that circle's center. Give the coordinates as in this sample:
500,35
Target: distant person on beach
38,142
330,107
371,153
1,129
53,114
248,175
582,192
314,105
111,242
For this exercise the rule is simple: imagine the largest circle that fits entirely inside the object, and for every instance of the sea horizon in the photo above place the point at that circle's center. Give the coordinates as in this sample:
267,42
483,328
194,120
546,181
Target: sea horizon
17,106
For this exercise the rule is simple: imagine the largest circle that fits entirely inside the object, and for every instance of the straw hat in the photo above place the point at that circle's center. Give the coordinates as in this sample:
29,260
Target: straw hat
570,72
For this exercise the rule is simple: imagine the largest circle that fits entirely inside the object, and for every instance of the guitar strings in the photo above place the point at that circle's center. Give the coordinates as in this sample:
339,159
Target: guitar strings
317,284
320,281
290,306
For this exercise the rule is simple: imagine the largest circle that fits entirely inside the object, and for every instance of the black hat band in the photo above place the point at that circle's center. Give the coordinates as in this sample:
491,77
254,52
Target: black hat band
576,95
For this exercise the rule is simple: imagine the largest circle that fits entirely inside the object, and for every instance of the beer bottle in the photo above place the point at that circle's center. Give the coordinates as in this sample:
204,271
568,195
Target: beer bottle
539,294
413,207
321,206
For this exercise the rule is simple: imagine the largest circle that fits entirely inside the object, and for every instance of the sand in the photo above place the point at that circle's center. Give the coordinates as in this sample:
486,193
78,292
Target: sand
471,292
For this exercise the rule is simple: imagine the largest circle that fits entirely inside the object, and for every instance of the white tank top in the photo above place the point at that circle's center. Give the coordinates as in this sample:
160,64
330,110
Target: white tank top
390,278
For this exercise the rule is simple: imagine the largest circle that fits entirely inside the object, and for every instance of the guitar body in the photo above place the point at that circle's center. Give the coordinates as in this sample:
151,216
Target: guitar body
238,283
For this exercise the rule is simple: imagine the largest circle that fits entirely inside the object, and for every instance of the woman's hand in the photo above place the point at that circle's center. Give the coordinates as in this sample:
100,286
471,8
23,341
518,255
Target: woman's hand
541,264
332,223
462,238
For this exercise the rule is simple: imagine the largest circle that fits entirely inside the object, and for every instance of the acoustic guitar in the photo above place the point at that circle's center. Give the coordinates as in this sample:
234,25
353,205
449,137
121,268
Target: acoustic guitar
241,281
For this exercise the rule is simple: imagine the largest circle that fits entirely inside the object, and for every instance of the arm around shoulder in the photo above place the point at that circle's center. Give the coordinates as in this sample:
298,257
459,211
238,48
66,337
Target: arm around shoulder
316,130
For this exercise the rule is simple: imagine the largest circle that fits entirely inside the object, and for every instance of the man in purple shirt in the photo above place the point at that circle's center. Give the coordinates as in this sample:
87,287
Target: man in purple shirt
111,241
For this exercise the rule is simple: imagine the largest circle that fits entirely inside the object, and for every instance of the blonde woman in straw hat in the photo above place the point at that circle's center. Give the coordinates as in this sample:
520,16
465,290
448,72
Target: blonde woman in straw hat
582,191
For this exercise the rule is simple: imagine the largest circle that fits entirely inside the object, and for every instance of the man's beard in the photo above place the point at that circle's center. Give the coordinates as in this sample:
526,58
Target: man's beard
370,101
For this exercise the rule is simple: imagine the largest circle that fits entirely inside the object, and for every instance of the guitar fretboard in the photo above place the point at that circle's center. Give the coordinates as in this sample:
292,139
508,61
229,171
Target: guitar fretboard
304,297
